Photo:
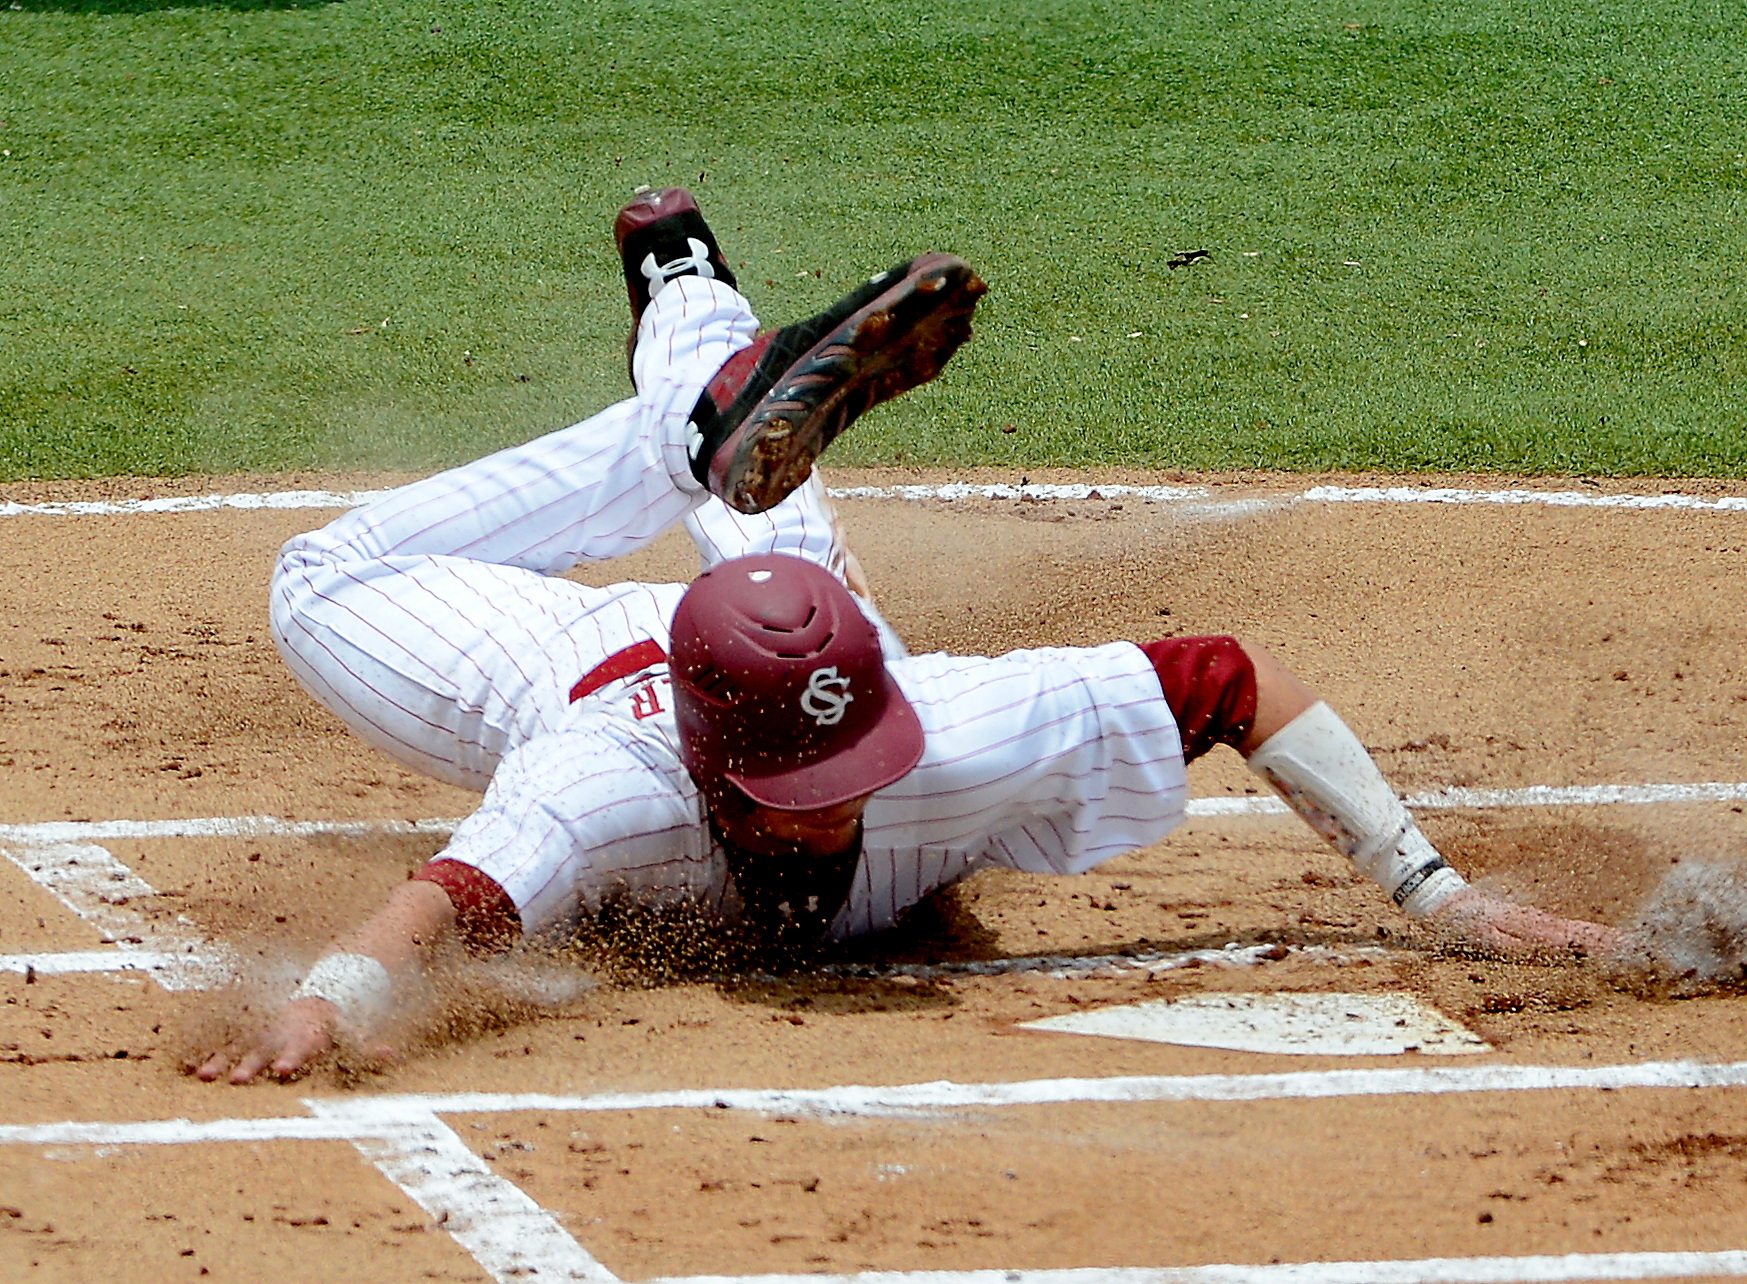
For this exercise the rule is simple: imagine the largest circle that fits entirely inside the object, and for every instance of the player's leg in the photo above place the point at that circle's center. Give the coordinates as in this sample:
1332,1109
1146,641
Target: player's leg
428,620
804,525
707,390
670,256
396,618
424,619
600,488
750,431
445,663
1223,691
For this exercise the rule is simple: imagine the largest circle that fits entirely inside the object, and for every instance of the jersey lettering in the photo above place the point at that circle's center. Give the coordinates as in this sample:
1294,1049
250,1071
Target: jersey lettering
620,664
646,702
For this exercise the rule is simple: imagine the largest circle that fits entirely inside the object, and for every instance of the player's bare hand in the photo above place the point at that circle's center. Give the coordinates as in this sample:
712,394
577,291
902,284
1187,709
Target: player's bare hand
295,1039
1484,921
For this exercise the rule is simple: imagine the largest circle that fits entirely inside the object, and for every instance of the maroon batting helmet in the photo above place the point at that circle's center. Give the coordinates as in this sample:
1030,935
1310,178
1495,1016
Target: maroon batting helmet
781,690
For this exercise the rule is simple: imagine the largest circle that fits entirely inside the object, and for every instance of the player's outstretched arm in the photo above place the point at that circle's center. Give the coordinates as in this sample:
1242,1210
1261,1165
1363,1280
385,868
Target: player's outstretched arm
350,993
1312,760
1484,921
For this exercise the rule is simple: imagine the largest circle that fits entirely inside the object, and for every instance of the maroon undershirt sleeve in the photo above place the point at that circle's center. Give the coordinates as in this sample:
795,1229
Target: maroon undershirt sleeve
1210,685
485,916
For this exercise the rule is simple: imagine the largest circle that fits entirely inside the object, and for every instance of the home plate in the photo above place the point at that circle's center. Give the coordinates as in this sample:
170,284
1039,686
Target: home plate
1353,1025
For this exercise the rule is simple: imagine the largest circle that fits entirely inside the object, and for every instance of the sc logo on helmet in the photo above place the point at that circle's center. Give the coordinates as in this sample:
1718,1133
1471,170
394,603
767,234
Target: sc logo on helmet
826,697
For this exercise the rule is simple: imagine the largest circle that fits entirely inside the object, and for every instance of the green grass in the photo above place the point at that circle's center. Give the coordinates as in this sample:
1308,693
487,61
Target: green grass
1469,236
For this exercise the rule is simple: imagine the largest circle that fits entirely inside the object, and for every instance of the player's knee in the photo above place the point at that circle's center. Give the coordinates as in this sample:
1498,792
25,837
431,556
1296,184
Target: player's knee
1210,685
287,595
297,604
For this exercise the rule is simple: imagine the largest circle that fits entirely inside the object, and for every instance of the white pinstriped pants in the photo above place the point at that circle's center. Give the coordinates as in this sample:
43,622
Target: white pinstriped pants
430,621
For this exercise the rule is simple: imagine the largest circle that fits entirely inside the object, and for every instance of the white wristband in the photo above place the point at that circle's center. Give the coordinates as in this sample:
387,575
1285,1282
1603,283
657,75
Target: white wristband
358,985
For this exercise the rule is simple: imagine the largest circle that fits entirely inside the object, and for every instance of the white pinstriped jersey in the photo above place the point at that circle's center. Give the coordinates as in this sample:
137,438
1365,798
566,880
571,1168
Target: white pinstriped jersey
1050,761
433,623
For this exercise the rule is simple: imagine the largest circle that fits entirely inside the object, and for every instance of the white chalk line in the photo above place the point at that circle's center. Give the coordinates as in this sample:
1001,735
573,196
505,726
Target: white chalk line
1431,1270
910,1100
185,1132
1198,497
90,881
97,887
287,499
507,1232
207,970
1500,799
66,857
78,962
1064,967
67,860
358,1117
101,831
101,890
1551,498
512,1237
496,1221
98,831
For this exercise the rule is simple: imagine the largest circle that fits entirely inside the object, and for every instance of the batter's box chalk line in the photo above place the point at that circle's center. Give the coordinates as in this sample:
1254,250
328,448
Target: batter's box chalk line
1435,1270
513,1238
1200,499
98,888
68,860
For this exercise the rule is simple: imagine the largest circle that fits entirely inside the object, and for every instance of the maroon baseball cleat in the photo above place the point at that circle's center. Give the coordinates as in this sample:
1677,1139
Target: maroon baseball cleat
661,235
774,407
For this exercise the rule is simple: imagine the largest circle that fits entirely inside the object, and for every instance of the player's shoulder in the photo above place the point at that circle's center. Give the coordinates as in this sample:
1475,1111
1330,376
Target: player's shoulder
947,689
1030,663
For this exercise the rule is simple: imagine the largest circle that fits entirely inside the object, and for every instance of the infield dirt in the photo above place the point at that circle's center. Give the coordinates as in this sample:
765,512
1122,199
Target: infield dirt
1475,645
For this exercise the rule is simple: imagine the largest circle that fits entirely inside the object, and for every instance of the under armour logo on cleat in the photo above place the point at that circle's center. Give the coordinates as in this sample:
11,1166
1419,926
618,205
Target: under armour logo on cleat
694,443
659,274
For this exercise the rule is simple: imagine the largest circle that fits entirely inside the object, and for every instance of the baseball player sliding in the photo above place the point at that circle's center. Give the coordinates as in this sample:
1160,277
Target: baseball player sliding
759,744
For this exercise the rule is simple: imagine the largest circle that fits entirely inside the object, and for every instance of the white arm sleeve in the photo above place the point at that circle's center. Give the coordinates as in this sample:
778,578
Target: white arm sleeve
1326,776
